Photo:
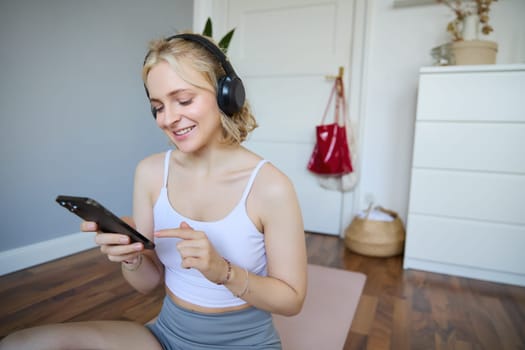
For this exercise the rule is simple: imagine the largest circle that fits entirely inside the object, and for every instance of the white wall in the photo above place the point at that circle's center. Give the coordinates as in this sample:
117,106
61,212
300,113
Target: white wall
400,40
74,118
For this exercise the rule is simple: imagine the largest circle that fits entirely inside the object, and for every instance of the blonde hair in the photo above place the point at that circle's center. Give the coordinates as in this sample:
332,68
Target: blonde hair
181,54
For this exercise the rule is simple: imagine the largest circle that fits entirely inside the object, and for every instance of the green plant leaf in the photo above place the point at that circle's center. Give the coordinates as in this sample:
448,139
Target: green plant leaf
225,41
208,28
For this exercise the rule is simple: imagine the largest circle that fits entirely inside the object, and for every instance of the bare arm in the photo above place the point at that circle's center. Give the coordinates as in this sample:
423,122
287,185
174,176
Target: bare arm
149,272
284,290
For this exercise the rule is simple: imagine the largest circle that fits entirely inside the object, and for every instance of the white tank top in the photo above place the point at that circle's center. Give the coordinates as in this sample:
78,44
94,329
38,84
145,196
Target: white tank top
235,237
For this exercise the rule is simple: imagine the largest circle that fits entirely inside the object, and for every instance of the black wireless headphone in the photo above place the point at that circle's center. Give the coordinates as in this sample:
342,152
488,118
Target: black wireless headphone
230,90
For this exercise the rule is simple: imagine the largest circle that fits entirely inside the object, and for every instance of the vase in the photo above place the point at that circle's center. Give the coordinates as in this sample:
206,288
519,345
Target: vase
470,30
468,52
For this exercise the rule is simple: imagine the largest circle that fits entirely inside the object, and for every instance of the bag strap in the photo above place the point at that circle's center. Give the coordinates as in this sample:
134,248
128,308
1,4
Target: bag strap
342,98
340,103
329,102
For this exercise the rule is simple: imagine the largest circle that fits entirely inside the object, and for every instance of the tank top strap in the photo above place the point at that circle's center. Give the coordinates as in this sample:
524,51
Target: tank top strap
252,179
166,168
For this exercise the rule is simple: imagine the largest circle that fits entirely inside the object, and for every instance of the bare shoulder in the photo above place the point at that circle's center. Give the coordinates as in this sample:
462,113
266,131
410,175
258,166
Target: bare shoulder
147,185
273,185
149,174
151,165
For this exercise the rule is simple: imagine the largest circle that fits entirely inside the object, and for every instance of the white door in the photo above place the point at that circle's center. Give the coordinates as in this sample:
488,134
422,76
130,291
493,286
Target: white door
283,50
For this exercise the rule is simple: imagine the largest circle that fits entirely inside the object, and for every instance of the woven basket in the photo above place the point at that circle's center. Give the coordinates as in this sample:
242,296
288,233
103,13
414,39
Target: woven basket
376,238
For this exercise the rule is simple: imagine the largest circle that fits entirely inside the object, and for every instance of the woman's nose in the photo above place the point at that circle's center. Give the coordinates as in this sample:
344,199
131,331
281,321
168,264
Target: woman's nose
171,115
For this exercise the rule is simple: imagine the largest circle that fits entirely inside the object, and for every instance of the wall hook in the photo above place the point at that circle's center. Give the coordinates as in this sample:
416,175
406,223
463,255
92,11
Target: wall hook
340,75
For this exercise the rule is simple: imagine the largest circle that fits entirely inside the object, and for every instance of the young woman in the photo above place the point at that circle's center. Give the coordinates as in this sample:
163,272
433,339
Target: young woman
227,225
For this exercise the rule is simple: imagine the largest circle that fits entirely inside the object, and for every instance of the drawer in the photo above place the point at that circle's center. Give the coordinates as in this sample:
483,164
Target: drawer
470,195
475,244
470,146
470,96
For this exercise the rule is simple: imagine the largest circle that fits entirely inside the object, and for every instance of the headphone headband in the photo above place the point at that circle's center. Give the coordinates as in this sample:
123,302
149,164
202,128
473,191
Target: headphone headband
210,46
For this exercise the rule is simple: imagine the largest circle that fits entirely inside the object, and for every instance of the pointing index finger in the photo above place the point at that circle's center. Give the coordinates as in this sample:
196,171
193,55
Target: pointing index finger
182,233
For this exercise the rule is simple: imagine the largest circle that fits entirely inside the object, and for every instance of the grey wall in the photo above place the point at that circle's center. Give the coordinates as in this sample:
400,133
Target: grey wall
73,114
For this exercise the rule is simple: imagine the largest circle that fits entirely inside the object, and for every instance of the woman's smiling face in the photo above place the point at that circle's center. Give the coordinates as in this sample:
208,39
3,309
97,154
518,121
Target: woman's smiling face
187,113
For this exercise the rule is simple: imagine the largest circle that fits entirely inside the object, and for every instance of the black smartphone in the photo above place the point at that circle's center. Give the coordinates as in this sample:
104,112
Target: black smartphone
90,210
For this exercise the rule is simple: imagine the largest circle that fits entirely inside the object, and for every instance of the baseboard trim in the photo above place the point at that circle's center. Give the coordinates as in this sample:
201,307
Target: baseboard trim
38,253
465,271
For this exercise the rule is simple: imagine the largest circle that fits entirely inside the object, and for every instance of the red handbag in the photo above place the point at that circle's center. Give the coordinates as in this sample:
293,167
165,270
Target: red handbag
331,155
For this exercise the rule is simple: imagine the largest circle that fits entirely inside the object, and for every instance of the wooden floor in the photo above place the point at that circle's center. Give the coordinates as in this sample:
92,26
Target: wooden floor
398,309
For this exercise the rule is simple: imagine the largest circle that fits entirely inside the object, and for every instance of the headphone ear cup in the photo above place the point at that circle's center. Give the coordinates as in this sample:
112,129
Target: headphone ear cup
230,94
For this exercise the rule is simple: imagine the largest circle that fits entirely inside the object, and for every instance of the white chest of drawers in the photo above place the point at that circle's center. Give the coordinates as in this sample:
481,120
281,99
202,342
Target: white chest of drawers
466,213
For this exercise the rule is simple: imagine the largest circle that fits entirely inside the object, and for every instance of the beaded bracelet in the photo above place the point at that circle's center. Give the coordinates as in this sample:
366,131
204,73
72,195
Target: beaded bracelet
247,284
228,273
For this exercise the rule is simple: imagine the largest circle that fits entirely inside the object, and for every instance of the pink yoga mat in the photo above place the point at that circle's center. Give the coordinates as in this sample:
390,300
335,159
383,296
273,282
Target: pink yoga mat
330,305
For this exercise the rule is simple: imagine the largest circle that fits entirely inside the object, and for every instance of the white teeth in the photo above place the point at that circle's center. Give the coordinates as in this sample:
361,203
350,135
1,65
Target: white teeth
183,131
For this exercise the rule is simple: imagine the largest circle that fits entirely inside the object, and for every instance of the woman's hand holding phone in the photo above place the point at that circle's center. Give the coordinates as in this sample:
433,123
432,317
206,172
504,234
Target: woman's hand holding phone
116,246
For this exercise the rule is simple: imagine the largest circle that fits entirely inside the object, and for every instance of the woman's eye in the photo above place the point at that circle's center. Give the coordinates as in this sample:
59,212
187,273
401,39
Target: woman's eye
156,109
185,102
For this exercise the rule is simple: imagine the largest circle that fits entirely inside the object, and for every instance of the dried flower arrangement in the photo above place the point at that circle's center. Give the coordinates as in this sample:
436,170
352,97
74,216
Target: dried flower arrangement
464,8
